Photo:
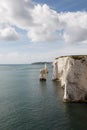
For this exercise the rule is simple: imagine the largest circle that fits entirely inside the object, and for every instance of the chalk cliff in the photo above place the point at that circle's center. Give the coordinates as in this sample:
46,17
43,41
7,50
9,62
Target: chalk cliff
71,71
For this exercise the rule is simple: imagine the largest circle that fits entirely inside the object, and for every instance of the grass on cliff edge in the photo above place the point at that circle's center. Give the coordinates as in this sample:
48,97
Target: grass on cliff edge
78,57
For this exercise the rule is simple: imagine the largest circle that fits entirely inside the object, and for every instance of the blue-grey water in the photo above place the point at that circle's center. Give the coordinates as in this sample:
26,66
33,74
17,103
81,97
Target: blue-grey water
28,104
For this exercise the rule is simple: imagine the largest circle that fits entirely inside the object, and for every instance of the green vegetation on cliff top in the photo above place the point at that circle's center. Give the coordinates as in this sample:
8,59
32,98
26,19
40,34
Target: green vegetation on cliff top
78,57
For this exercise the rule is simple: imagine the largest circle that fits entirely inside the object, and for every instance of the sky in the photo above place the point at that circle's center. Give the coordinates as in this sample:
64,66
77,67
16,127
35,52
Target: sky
41,30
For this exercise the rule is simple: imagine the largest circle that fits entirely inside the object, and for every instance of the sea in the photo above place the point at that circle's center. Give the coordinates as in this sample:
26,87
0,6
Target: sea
29,104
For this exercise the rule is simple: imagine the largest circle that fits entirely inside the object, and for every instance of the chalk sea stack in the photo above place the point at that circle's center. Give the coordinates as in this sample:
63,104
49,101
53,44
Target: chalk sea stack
71,71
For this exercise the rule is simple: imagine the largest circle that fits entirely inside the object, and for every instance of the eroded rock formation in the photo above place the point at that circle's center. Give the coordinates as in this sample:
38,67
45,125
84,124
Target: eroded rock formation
71,71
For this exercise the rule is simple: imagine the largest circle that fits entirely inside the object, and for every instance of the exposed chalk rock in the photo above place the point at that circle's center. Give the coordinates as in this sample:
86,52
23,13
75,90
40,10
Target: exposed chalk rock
43,73
55,71
71,71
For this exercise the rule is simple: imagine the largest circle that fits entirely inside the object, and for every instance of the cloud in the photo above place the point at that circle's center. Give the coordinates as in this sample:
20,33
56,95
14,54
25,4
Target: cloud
46,23
70,27
8,34
14,13
75,34
17,12
42,23
75,28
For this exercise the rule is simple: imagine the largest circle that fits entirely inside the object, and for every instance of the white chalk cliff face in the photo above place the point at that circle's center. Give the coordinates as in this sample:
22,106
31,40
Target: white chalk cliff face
71,71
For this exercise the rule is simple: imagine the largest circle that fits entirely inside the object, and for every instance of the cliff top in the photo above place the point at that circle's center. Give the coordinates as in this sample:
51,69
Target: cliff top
78,57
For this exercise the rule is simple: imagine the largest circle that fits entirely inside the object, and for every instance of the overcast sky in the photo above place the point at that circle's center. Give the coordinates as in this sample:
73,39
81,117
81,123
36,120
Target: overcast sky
41,30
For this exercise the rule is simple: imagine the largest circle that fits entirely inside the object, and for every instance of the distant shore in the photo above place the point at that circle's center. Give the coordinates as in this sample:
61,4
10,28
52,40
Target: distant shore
41,63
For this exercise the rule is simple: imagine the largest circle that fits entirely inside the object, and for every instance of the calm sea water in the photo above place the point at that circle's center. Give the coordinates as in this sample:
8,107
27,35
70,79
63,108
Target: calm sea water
28,104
